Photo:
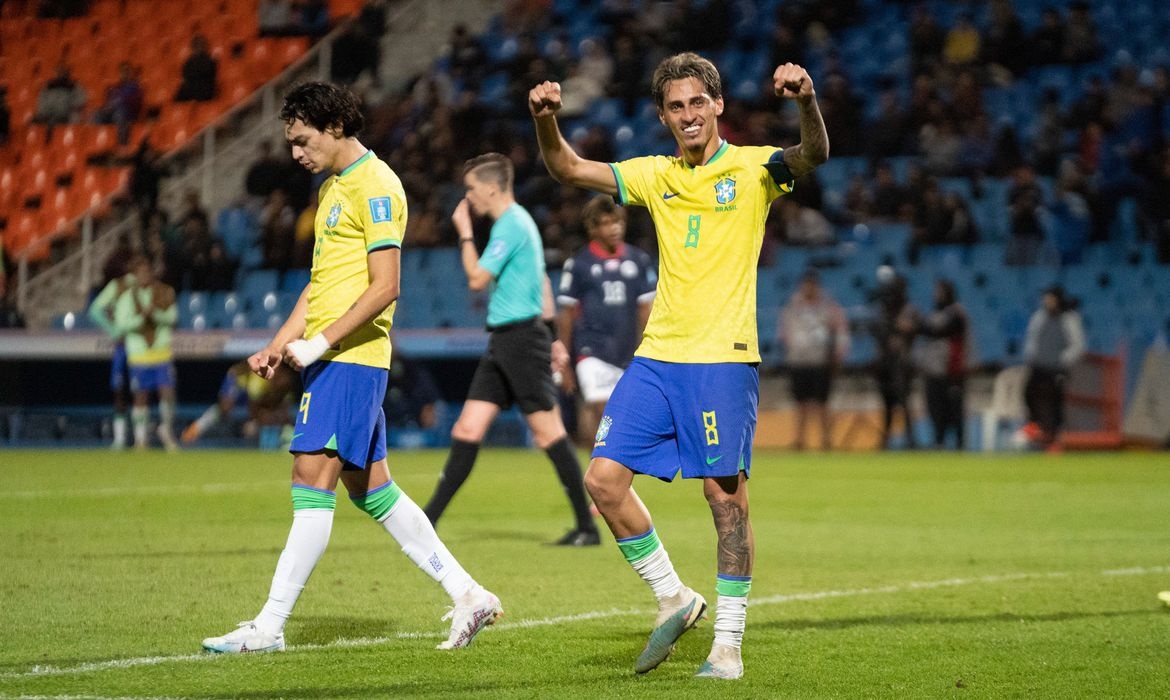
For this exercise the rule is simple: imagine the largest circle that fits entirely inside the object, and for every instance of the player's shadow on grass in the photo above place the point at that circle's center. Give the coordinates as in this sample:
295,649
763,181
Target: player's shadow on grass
910,620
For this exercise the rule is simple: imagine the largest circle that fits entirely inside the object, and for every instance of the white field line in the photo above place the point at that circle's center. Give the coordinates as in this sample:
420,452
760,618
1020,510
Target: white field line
94,666
112,491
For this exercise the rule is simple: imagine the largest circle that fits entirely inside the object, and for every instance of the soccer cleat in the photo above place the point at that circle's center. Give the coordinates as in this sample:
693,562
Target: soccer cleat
676,615
723,662
247,638
1164,596
480,609
579,538
190,434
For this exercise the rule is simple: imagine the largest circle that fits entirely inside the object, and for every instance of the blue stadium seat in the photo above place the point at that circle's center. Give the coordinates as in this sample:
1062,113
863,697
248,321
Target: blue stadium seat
295,280
256,283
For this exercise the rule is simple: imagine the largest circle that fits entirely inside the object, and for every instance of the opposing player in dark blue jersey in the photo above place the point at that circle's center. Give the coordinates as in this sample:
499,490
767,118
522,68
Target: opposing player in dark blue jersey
605,295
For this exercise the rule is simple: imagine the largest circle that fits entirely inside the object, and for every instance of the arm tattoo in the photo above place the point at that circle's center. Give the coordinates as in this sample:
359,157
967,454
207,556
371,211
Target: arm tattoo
813,148
735,539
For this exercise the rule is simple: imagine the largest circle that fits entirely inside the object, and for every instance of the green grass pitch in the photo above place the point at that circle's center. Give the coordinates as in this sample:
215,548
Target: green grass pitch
893,576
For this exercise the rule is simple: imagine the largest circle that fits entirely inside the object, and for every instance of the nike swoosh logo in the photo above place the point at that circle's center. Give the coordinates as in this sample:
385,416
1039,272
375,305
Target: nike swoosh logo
669,195
296,435
711,461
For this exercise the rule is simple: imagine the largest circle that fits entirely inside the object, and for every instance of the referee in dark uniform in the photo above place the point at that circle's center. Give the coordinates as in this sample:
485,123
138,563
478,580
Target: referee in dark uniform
518,366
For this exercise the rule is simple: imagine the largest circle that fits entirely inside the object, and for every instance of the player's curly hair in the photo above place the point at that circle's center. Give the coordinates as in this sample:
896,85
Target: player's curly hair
599,206
492,167
682,66
323,105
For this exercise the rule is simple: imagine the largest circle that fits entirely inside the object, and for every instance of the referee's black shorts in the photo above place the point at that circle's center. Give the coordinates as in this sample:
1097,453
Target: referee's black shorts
515,369
811,384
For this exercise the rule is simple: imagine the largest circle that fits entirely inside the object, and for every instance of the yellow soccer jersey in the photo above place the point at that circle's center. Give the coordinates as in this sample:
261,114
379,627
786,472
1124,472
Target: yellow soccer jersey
361,210
710,225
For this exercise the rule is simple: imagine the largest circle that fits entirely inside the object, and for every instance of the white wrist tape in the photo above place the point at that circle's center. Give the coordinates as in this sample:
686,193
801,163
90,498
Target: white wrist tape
309,351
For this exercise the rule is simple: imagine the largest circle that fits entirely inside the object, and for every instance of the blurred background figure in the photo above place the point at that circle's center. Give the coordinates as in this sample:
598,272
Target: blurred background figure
944,361
894,327
815,336
1054,343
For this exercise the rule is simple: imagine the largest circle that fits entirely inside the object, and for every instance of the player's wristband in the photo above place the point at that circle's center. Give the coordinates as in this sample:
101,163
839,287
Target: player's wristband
309,351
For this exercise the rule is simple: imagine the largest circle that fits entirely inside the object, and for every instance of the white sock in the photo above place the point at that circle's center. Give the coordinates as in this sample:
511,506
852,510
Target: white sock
306,543
730,619
139,416
656,570
166,416
209,418
120,430
409,526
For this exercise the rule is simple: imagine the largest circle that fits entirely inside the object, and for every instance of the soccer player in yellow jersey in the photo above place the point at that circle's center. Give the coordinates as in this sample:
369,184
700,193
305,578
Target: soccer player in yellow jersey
688,400
337,337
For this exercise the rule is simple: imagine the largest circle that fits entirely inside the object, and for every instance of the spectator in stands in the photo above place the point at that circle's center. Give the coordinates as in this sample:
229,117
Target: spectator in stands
304,235
468,59
123,103
944,361
803,226
60,101
890,134
1055,342
926,40
146,173
841,109
311,17
1004,40
9,315
1025,201
213,271
888,199
894,327
1080,35
941,146
5,117
199,73
275,17
277,231
266,173
356,53
629,74
1071,219
581,91
1047,41
1154,207
1048,143
61,9
815,336
963,43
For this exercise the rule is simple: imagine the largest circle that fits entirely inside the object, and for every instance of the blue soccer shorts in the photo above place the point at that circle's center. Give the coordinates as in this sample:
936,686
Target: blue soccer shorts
118,370
152,377
341,411
667,416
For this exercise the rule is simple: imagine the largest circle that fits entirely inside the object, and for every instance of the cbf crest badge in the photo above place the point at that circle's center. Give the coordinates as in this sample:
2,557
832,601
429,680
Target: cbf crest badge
334,215
725,190
603,430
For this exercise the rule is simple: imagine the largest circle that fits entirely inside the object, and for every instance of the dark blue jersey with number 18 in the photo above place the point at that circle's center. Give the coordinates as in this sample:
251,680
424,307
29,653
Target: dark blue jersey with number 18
606,289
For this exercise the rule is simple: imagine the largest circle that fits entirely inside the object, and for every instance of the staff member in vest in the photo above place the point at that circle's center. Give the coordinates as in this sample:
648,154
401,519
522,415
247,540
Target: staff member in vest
1054,343
517,368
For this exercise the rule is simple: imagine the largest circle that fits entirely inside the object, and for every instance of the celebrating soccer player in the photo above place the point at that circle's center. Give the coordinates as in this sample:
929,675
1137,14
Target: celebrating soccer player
337,336
688,400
